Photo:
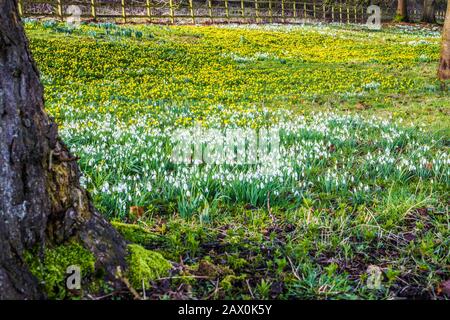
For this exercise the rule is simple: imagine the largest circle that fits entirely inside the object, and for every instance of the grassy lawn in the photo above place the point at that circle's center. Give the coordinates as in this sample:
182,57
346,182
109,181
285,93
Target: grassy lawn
355,205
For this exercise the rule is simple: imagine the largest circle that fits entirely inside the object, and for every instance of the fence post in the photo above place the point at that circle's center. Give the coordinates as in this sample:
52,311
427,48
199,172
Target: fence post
124,15
191,9
210,10
340,12
59,8
172,18
149,10
362,14
356,16
295,9
270,12
324,12
93,10
257,11
282,10
348,14
314,9
20,8
332,13
227,12
304,10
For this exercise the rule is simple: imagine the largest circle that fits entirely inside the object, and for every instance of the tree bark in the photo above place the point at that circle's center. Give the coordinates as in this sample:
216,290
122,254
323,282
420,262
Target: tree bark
429,8
402,10
444,62
41,201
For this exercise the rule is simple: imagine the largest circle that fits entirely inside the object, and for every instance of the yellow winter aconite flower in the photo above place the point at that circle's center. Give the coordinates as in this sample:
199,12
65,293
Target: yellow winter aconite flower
211,66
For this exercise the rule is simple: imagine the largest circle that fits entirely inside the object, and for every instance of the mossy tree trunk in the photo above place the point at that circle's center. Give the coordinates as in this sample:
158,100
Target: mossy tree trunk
444,63
41,201
402,11
429,11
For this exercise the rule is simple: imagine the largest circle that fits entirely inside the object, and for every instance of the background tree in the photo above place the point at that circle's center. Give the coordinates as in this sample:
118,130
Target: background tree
41,201
444,62
429,10
402,11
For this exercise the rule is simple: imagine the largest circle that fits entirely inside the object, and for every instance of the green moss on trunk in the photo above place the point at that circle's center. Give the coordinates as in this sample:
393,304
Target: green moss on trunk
51,269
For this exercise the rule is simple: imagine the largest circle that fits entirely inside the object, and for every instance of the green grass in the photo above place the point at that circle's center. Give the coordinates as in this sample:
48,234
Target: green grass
361,187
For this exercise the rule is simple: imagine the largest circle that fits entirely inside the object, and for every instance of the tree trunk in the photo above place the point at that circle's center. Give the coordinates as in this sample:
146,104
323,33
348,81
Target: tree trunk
402,10
41,201
444,63
428,14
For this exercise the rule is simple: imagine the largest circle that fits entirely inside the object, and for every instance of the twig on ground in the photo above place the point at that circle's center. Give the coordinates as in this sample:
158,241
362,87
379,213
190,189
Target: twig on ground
249,289
294,270
216,290
136,295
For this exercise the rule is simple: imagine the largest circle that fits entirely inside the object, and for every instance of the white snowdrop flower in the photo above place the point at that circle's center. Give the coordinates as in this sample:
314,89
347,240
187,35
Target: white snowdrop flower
105,187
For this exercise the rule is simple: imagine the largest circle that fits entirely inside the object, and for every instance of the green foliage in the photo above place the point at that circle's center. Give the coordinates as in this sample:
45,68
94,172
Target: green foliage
400,18
145,266
316,285
263,289
51,270
229,282
135,233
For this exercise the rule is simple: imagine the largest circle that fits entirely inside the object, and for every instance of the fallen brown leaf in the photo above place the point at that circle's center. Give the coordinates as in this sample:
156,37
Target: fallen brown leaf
444,288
